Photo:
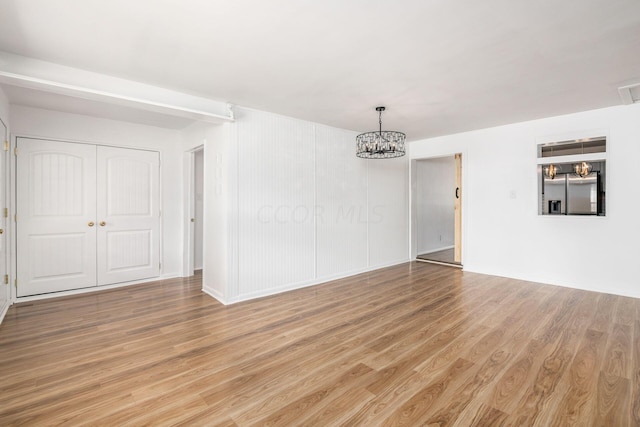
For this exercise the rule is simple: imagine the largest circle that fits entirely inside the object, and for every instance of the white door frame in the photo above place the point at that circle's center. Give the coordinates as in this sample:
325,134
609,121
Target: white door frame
413,236
5,224
189,210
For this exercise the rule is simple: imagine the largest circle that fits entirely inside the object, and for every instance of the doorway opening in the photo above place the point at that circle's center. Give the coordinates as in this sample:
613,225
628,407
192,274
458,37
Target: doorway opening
194,237
437,210
198,188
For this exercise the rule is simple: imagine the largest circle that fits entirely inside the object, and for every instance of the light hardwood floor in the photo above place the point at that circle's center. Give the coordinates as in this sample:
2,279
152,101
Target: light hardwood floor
414,344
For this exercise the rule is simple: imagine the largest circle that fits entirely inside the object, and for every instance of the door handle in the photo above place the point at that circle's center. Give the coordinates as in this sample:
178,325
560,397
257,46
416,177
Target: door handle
102,223
457,192
91,224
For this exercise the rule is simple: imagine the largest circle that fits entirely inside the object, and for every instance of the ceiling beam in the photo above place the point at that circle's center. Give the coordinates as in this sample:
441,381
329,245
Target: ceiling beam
53,78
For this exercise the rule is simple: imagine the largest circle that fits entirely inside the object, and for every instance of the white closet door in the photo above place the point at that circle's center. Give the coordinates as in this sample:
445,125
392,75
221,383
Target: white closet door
56,211
128,215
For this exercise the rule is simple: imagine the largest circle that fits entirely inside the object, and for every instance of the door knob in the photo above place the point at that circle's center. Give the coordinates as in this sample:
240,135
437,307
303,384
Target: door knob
1,231
102,223
91,224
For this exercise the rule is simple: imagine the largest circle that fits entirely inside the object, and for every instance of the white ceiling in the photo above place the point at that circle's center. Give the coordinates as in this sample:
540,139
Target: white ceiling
440,67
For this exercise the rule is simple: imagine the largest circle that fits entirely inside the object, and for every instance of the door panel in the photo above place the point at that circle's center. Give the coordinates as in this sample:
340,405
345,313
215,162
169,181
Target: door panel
56,209
128,215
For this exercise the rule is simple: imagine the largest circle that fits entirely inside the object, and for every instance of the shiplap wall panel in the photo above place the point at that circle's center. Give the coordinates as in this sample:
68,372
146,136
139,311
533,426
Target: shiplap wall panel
276,187
304,206
388,211
341,204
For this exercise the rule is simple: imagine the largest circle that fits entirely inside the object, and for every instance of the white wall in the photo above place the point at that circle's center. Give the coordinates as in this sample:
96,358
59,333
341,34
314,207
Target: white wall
308,210
218,204
276,189
286,202
57,125
4,107
502,233
435,184
341,196
388,220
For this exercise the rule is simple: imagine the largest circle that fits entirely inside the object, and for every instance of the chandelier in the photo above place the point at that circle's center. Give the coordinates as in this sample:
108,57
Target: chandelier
582,169
380,144
551,171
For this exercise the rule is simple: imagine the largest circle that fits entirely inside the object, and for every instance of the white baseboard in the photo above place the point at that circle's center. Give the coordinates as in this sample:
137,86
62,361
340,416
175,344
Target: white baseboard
214,293
3,310
546,280
301,285
93,289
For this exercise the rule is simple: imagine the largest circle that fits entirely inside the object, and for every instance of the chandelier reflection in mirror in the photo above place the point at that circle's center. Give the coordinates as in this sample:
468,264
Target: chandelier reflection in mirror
380,144
582,169
550,171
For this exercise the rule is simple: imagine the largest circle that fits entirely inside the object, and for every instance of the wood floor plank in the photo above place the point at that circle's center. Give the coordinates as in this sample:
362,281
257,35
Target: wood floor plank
575,408
405,345
500,344
337,410
252,402
617,358
479,414
396,391
613,401
468,391
450,352
299,408
513,383
442,329
635,379
437,331
625,311
414,408
561,340
605,310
